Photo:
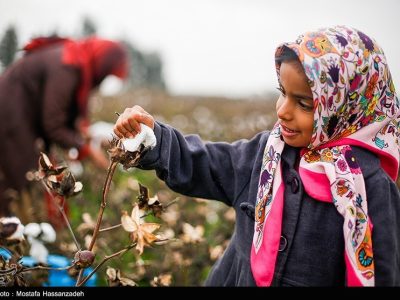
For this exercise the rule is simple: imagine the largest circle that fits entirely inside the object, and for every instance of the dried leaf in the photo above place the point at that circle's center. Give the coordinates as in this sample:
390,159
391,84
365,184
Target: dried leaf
67,185
128,223
47,168
144,193
150,227
146,203
141,232
44,162
127,282
192,234
111,274
162,280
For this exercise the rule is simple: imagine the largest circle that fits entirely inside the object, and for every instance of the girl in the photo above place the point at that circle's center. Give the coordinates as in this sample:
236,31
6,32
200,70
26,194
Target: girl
315,199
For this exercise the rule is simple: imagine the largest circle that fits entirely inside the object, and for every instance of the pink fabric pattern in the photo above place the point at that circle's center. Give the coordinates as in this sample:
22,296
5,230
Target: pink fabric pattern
355,104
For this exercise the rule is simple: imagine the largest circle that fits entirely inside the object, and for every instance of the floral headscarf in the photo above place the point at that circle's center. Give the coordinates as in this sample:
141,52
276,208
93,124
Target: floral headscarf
354,104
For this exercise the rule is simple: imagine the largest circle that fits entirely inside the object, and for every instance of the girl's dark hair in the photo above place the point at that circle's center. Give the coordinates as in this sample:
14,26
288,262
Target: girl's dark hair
286,54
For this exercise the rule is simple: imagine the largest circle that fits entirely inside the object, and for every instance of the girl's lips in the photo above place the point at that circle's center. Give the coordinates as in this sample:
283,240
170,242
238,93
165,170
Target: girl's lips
287,132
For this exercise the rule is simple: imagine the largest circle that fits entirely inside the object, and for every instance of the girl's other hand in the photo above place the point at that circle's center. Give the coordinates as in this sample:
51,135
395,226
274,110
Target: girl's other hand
127,125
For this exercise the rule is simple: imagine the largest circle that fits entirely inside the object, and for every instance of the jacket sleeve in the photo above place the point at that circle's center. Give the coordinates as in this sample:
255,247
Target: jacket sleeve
384,212
211,170
58,106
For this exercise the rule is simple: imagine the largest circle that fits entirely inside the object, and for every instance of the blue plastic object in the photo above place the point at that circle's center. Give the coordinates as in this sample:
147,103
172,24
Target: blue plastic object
5,253
59,277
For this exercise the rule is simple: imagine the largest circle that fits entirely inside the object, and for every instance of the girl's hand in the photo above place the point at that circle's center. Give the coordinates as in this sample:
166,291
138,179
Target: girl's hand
127,125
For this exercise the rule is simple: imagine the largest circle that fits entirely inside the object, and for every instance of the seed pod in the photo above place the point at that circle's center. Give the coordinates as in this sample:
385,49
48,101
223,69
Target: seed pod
84,259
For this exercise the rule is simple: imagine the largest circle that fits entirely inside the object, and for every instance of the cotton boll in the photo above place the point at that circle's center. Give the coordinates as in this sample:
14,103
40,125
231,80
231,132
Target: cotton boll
145,137
7,220
11,229
32,230
18,234
38,251
48,233
133,144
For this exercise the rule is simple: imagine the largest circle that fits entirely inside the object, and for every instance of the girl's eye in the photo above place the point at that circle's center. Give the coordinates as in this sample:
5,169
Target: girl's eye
306,105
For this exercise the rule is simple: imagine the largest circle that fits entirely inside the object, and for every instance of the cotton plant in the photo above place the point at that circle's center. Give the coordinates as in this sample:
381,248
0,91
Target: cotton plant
128,152
11,230
145,137
141,233
61,184
11,240
58,179
114,278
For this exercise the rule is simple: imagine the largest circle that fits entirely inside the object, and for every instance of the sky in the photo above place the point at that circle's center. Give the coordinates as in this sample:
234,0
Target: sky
209,47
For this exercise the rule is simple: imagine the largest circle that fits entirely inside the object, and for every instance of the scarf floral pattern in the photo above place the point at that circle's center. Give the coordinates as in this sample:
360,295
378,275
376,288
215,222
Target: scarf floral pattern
354,104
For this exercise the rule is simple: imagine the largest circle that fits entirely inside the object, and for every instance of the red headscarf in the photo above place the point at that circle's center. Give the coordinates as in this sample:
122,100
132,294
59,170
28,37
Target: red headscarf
95,57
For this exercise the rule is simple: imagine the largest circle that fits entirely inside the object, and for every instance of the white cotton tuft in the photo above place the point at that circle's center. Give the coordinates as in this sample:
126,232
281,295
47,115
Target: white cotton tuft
32,230
48,233
145,137
8,220
38,251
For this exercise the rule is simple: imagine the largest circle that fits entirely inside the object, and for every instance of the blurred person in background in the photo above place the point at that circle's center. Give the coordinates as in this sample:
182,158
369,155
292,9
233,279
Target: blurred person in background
44,101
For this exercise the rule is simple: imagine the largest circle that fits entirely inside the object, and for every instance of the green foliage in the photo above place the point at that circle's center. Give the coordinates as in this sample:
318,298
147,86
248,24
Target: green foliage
146,69
8,46
154,74
88,27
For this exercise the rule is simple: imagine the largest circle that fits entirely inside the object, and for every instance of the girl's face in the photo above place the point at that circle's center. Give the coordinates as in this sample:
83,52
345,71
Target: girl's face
295,105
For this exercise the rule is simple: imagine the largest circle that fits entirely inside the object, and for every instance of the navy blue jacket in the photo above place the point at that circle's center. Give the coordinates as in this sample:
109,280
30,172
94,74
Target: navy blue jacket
312,246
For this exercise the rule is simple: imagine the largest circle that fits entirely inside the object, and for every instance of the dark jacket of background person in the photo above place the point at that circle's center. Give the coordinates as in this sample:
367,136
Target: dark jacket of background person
44,96
311,251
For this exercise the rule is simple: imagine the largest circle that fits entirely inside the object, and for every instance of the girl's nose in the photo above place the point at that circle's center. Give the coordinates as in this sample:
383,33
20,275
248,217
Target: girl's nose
284,108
